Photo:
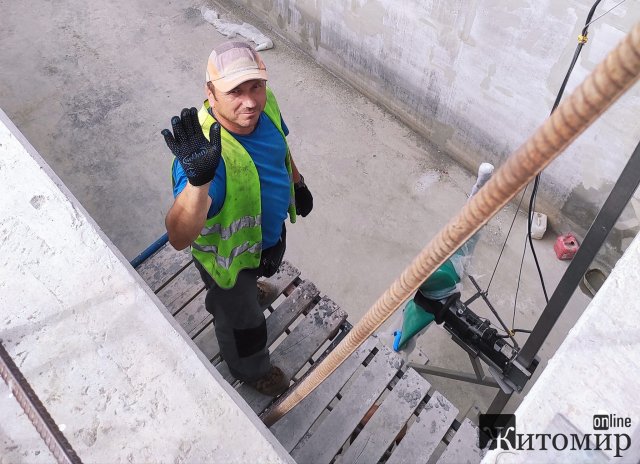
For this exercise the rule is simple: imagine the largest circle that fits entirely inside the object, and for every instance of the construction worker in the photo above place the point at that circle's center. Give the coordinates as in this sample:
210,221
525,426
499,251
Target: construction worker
234,184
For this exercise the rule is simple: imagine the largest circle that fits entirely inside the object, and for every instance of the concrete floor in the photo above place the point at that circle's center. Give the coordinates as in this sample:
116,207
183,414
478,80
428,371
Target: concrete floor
92,84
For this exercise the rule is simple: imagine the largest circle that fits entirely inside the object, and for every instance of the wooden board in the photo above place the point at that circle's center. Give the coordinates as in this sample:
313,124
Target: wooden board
321,322
426,433
177,293
387,422
283,278
296,350
295,304
310,432
194,314
208,320
208,342
463,448
292,427
323,443
163,265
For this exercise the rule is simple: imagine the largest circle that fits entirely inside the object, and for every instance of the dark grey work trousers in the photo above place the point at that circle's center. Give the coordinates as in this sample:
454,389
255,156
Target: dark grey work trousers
239,321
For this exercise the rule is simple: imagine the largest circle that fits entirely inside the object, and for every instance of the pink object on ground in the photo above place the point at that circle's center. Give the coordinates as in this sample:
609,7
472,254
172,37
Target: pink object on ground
566,246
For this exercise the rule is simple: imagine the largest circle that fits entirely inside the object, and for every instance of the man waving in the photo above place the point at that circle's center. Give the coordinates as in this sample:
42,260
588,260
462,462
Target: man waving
235,183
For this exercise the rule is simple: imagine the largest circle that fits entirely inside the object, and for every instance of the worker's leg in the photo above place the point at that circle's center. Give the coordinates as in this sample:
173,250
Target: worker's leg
240,325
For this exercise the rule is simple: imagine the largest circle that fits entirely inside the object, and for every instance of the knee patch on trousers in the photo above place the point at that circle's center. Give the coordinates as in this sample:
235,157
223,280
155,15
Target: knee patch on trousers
250,341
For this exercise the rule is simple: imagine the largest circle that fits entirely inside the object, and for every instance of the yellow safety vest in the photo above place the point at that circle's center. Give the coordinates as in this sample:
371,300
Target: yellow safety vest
232,239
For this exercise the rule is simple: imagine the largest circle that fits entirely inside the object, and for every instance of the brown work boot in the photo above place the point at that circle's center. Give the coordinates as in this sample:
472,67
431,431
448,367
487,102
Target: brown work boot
272,384
267,293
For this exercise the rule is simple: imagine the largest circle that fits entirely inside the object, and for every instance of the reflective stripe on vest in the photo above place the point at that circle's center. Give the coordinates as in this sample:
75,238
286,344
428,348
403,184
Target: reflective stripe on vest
226,232
232,240
223,262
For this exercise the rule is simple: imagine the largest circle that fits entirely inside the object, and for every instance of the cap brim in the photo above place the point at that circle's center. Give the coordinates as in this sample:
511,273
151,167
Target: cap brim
226,84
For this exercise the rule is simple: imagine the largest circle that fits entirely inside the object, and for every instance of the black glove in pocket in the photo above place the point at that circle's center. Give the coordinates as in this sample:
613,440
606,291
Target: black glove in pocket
272,257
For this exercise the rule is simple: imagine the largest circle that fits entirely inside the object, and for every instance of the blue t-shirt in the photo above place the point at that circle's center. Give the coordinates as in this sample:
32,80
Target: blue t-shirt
268,150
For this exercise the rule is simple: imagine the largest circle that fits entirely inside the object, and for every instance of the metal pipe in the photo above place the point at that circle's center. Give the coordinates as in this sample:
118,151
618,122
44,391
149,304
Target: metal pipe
151,249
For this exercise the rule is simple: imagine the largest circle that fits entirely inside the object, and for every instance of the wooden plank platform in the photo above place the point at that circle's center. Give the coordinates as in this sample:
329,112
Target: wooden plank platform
371,409
292,427
388,420
427,432
463,448
323,444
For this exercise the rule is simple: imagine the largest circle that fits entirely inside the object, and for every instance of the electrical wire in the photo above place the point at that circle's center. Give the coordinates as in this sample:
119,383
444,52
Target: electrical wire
531,213
505,240
515,300
606,12
582,39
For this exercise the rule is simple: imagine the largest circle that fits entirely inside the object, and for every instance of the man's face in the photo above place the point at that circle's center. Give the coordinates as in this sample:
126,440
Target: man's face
239,109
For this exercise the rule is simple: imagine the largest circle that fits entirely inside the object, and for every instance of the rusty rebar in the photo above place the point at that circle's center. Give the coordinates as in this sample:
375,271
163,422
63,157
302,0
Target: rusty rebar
35,411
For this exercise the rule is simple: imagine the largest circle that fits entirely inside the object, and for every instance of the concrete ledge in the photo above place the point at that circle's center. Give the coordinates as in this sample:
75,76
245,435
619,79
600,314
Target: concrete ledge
595,371
107,360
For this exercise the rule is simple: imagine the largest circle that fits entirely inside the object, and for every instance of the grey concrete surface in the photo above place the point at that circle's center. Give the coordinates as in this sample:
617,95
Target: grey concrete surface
114,369
565,400
476,76
92,84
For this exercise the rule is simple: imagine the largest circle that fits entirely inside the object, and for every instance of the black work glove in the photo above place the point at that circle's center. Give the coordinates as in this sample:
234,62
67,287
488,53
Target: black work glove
304,199
199,158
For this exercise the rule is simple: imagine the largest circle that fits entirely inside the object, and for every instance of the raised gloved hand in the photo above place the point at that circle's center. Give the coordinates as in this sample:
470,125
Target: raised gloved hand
198,156
304,199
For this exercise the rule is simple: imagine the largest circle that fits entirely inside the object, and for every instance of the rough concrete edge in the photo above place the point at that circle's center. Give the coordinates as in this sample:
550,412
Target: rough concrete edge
233,394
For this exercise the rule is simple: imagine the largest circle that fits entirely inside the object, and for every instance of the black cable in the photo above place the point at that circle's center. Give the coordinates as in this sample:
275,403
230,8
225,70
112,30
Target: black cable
515,300
581,41
532,200
531,212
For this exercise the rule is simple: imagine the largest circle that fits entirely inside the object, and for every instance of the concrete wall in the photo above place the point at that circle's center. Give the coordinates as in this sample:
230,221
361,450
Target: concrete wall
113,368
595,371
476,77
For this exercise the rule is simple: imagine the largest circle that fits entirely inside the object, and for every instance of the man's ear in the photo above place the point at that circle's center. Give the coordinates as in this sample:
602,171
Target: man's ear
209,94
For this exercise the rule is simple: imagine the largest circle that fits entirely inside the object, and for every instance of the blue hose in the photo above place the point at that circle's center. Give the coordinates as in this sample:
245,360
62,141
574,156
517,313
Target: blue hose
151,249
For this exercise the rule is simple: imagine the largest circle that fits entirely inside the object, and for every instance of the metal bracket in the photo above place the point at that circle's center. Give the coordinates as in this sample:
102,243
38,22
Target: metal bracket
611,210
478,377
